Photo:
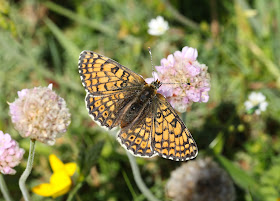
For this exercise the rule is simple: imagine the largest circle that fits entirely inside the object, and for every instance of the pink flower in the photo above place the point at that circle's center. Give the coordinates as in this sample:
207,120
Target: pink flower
190,81
10,154
187,56
40,114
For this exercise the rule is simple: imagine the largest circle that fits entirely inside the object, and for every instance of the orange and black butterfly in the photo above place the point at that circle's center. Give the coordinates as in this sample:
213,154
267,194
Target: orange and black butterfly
117,96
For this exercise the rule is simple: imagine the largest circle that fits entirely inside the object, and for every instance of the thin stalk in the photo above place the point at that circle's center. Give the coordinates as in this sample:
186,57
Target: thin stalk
74,191
27,171
141,185
181,18
4,189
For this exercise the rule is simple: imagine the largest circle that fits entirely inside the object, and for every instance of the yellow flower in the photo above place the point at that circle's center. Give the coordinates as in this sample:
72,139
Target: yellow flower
60,181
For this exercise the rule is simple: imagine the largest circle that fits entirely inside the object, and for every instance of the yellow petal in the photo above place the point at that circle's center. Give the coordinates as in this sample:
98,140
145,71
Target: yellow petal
60,184
61,192
44,189
70,168
56,164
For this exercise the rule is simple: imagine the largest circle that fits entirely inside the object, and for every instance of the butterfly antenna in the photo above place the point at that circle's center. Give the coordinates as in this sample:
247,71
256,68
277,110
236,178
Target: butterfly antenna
153,68
150,51
187,83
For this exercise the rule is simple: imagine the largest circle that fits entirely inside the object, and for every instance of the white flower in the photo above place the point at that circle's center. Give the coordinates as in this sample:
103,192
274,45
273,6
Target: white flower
256,101
158,26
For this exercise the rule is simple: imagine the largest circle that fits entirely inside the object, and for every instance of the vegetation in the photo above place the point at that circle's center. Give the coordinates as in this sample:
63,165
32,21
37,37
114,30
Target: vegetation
40,43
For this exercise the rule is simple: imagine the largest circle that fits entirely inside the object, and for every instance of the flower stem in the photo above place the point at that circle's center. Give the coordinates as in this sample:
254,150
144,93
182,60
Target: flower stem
181,18
27,171
74,191
4,189
141,185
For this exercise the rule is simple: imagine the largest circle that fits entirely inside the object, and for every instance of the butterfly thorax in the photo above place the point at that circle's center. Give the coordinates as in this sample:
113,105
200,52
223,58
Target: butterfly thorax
141,102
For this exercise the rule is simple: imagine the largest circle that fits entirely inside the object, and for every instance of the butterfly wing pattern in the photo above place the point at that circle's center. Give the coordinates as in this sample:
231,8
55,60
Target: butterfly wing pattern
171,139
117,96
109,87
137,138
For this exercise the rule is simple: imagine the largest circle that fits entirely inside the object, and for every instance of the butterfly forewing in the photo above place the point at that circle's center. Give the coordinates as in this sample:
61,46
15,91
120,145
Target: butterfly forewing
170,137
101,75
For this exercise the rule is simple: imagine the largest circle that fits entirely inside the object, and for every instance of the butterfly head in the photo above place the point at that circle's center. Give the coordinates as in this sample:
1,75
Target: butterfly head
156,84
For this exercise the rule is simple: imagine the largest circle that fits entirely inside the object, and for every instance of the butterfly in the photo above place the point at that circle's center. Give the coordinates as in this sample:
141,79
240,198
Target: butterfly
117,96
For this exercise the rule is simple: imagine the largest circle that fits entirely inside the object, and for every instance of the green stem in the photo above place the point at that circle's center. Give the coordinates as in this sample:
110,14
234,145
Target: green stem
4,189
74,191
141,185
27,171
181,18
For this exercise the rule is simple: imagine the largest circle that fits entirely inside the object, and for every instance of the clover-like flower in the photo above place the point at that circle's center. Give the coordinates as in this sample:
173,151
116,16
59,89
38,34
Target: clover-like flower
157,26
200,180
10,154
40,114
256,103
184,80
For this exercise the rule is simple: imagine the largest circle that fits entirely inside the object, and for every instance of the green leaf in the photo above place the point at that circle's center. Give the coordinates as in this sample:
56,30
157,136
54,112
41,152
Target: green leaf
241,178
72,50
217,144
80,19
92,155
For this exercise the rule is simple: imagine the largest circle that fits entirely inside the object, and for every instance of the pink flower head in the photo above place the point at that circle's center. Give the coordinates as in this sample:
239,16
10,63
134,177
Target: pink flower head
188,54
190,79
40,114
10,154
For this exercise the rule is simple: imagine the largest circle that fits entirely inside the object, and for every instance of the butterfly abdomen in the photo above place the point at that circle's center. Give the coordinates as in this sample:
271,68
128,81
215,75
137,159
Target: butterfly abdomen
139,107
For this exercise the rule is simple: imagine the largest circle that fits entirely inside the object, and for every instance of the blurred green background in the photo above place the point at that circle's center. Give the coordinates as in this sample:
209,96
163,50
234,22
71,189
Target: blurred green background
40,43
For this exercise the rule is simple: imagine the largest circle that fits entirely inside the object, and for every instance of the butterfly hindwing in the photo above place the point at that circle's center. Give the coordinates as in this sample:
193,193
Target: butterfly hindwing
170,138
101,75
108,109
137,137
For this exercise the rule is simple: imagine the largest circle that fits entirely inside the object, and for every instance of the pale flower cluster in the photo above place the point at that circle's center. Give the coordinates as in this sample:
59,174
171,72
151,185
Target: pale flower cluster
40,114
10,154
157,26
200,180
184,80
257,102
